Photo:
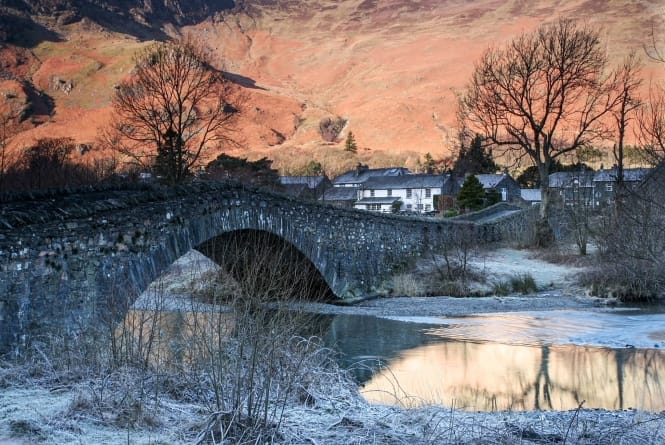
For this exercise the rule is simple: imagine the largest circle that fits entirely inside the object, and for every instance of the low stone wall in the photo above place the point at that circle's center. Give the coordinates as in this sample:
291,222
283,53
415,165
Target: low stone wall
518,227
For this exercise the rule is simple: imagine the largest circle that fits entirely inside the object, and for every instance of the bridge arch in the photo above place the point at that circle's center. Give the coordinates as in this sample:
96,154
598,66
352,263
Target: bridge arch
266,266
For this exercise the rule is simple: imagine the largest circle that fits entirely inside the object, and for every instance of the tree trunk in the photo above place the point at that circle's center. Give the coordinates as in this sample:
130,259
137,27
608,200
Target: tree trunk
544,232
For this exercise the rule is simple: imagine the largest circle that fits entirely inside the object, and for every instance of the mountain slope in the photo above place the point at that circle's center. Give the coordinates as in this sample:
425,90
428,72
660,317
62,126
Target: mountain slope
390,68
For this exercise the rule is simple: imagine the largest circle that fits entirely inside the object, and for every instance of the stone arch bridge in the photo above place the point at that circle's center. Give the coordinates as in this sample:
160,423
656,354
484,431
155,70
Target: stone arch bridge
66,257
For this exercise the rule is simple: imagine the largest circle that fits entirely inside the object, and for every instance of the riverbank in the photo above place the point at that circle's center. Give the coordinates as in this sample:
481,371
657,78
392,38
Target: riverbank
41,405
557,284
63,413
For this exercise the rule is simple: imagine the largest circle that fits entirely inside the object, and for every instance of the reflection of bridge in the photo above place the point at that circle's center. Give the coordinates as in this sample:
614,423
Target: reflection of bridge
68,258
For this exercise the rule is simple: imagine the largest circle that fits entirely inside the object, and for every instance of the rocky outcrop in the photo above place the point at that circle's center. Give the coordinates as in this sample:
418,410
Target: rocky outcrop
146,13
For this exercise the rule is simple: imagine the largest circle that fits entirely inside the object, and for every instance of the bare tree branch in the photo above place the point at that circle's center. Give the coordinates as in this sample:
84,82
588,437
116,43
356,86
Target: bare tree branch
175,107
544,95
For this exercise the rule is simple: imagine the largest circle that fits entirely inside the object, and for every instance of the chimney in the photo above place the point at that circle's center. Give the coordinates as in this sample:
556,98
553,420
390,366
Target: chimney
360,169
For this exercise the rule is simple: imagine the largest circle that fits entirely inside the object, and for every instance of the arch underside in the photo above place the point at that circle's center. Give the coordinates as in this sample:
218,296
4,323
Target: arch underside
266,266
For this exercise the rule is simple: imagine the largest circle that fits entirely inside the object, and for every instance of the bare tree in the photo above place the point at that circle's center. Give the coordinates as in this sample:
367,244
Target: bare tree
541,97
651,126
46,164
577,212
175,106
651,116
626,81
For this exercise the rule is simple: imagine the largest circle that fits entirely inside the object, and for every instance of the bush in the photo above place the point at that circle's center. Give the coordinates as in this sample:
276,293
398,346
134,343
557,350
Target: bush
632,246
408,285
523,283
243,354
502,288
472,195
329,128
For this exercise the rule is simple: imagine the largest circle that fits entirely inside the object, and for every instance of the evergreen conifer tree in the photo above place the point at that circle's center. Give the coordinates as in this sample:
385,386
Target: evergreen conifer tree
350,144
475,159
472,195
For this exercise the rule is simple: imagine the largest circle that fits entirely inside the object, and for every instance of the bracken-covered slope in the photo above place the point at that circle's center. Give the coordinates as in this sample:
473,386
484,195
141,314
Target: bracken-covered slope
391,68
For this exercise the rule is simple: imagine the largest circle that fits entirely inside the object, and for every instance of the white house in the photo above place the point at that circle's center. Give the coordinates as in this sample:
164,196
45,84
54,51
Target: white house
405,193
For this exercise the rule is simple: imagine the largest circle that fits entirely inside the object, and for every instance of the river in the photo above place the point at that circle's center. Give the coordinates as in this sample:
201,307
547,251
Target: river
552,360
533,360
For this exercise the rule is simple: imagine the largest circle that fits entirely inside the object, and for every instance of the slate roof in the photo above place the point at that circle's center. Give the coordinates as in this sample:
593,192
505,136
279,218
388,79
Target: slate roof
565,179
360,175
311,182
406,182
531,195
489,181
340,194
629,174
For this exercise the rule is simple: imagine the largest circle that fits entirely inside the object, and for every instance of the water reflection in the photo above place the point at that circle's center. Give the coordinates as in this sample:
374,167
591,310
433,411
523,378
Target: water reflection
182,339
423,366
493,376
486,363
171,338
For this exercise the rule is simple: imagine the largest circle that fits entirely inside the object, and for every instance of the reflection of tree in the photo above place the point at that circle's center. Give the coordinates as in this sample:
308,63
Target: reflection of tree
652,377
619,359
547,377
543,376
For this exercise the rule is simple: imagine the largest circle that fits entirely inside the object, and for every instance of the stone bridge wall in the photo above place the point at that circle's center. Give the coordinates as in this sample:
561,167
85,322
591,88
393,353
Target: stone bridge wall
518,227
68,260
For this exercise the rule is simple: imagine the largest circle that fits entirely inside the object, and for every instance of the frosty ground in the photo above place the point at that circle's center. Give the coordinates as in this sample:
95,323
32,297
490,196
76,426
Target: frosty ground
37,408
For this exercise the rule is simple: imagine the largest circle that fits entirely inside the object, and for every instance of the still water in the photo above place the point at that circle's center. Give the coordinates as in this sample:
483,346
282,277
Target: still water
554,360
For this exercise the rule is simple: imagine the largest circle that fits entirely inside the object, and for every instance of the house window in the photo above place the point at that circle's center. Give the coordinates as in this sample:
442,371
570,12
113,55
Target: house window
428,193
409,207
408,193
371,193
608,187
390,192
428,207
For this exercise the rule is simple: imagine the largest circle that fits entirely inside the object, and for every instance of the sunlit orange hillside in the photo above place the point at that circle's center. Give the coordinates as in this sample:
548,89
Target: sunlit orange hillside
390,67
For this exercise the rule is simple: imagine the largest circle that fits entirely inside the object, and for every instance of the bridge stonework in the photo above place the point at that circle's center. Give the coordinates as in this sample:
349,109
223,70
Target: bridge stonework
68,260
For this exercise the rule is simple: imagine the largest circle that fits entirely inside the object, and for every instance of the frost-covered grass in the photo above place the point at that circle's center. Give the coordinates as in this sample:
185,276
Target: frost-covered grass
52,410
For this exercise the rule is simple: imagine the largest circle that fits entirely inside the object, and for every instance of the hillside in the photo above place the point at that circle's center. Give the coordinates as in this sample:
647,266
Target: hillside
391,68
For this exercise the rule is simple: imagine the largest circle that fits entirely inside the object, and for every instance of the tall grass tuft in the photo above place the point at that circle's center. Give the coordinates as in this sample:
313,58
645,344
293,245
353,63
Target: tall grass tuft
523,283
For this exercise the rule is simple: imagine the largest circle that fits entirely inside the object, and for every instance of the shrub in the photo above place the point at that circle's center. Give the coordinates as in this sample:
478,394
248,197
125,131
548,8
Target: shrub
472,195
329,128
408,285
502,288
523,283
631,245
